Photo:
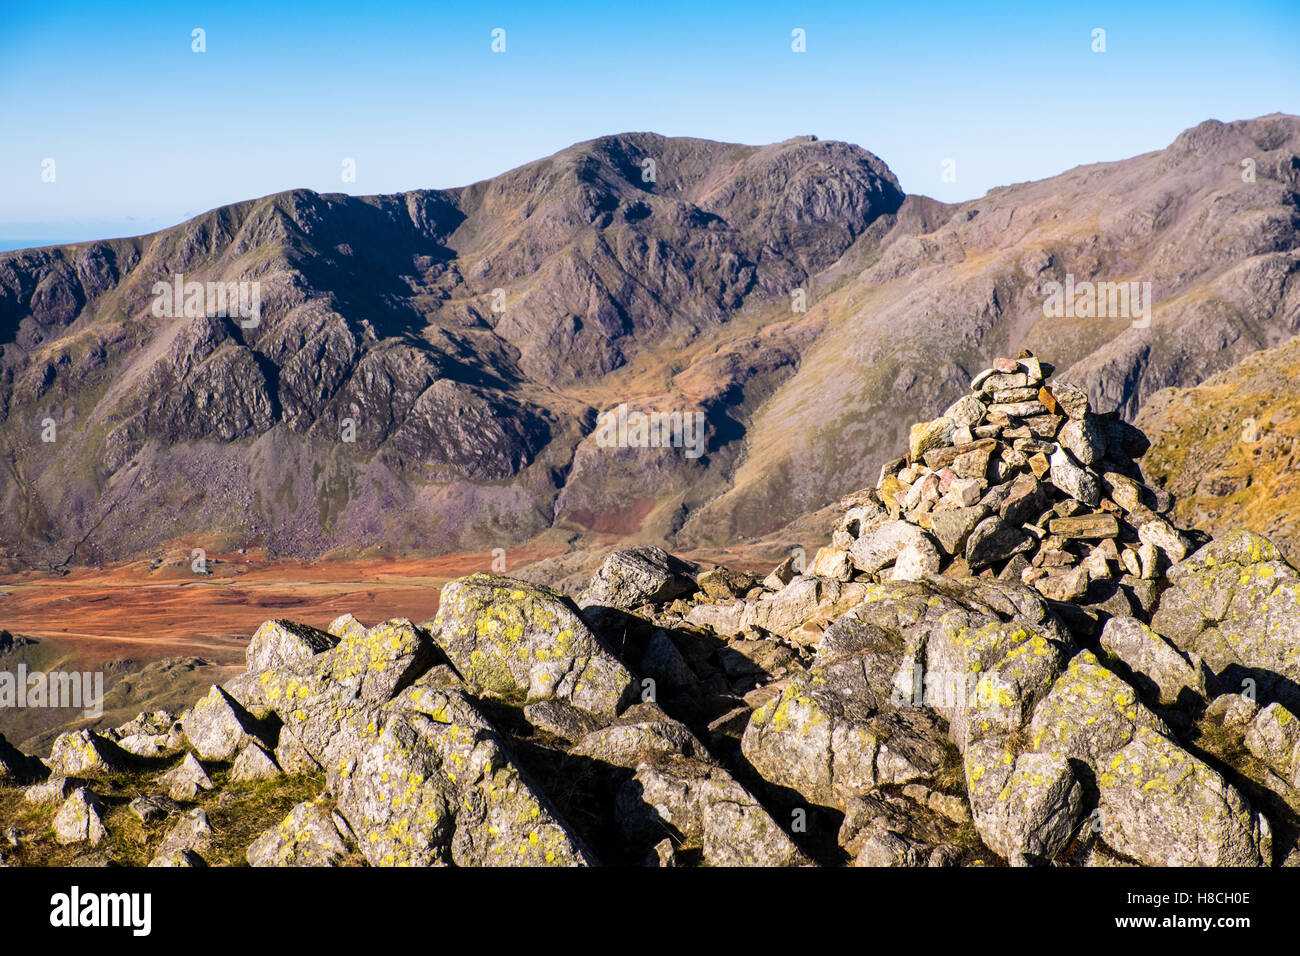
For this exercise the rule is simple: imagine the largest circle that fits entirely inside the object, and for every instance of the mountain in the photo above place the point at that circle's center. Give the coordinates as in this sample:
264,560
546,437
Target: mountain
468,339
997,657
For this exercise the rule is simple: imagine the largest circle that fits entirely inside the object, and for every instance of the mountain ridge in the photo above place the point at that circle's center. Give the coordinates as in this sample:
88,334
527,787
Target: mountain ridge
475,427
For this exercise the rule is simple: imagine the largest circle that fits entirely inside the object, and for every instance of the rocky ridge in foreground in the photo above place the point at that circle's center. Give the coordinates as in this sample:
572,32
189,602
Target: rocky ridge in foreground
1006,653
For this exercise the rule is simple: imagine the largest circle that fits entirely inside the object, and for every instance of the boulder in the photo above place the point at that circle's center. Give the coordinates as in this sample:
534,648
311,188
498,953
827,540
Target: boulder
218,726
1158,667
187,842
881,546
79,820
1035,814
17,767
311,835
701,803
277,643
84,752
523,643
1162,806
185,780
314,698
1274,737
636,576
1236,604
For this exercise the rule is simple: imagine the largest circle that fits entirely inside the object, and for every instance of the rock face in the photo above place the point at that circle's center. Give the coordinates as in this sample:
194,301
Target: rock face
384,311
1037,681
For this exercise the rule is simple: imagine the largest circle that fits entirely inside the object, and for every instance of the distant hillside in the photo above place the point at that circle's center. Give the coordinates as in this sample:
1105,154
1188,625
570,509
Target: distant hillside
469,338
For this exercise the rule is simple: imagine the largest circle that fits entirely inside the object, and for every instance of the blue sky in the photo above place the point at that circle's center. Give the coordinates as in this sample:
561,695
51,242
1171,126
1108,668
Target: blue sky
145,133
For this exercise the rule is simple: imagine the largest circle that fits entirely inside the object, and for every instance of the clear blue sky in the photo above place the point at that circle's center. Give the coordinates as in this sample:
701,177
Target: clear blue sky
146,133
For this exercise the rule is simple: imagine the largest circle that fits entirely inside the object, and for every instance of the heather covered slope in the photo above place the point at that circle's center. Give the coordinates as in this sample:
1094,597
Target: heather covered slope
672,291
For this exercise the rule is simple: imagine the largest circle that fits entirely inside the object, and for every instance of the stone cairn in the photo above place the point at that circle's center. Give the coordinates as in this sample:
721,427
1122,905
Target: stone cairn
1022,481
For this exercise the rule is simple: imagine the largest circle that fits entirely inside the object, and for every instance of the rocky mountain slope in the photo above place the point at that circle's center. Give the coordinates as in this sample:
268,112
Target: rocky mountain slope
467,339
1006,653
1228,449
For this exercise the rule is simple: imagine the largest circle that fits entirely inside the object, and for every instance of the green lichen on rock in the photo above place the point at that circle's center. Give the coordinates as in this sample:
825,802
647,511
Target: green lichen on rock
523,643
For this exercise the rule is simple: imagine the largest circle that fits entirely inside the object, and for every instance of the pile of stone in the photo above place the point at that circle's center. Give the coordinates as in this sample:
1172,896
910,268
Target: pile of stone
1022,481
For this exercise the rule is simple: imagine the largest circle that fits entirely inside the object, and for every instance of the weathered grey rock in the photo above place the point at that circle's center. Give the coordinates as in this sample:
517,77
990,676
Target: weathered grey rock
642,733
1153,660
995,540
185,780
927,435
1163,807
724,619
914,562
186,842
705,806
79,819
84,752
428,780
1274,737
882,546
828,743
561,719
218,726
968,411
952,527
311,835
1164,536
149,809
724,584
1232,710
1084,439
636,576
55,789
517,641
345,625
803,601
1236,604
1101,525
1072,399
315,697
253,762
1025,500
1089,714
1035,814
781,575
1072,479
281,642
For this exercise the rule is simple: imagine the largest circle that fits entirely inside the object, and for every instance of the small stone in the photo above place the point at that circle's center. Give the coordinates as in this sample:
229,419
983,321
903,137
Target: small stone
1072,400
927,435
1098,525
